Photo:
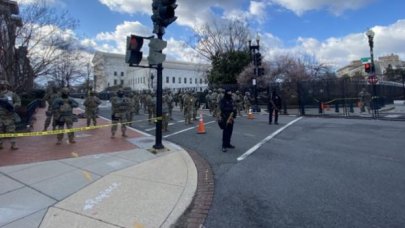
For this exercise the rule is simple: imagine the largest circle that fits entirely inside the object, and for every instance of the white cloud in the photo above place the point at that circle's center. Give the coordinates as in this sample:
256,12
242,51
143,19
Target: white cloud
340,51
337,7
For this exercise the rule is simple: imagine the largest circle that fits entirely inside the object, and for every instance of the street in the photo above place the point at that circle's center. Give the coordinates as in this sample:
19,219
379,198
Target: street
318,172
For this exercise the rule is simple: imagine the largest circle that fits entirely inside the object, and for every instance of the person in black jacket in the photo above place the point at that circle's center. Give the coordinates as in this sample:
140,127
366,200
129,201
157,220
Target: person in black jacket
274,106
228,114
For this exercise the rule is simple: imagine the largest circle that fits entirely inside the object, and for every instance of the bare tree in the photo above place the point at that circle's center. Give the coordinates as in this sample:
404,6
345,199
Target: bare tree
43,33
218,38
68,69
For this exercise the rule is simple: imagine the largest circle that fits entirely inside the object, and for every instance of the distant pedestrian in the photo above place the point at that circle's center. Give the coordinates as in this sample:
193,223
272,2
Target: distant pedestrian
227,116
365,100
9,101
63,113
91,104
274,106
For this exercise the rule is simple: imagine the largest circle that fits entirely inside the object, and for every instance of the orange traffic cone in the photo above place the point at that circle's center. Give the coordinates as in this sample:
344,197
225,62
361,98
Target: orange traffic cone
201,126
250,115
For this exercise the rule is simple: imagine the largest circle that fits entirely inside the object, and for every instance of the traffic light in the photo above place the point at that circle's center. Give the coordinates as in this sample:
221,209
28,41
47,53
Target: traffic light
257,59
134,54
155,51
367,67
163,14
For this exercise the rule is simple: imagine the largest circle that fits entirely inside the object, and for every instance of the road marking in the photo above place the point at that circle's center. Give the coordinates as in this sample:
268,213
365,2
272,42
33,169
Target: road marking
187,129
180,121
136,130
261,143
154,128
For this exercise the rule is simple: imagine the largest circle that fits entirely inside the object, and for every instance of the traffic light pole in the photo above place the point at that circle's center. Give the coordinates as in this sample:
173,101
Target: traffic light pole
159,94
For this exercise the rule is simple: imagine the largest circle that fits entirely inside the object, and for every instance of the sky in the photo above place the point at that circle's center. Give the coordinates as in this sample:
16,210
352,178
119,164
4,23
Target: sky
332,31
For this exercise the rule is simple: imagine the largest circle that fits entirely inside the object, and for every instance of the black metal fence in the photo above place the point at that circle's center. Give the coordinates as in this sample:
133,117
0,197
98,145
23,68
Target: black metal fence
334,97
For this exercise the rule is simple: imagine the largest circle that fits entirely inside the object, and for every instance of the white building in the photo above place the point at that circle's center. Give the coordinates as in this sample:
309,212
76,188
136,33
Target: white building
381,64
111,70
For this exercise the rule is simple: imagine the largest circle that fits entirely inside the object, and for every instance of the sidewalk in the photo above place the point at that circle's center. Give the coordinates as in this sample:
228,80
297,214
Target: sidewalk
97,182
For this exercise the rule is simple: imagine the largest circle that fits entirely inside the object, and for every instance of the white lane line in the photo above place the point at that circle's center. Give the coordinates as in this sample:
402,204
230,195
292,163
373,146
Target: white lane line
180,121
257,146
154,128
187,129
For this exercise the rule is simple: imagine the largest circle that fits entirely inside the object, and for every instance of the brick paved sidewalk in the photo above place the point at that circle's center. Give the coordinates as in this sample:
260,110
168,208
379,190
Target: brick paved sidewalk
43,148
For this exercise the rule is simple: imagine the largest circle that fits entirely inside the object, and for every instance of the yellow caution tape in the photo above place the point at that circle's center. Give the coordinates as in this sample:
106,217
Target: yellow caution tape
62,131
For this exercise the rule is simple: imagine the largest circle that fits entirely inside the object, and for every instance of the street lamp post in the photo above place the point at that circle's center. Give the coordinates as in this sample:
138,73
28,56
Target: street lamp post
370,35
253,49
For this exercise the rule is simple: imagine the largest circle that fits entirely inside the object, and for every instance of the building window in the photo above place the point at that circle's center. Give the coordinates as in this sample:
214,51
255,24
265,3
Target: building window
179,80
200,80
167,80
206,81
122,74
173,80
122,82
191,81
185,80
115,81
195,81
115,73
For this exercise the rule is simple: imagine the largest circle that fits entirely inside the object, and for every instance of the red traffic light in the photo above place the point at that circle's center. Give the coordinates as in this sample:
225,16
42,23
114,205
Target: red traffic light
367,67
135,43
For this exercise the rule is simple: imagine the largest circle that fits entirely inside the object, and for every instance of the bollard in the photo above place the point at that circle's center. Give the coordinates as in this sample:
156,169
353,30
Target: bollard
337,107
351,107
320,107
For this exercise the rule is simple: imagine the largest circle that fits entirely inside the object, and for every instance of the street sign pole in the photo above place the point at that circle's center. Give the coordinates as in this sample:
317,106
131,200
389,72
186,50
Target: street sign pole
159,94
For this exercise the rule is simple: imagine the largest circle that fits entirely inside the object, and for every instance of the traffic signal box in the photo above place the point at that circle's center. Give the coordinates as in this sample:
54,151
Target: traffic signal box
133,54
367,67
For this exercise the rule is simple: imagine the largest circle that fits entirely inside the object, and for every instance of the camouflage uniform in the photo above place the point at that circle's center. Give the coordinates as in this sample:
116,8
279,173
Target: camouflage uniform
8,102
119,112
207,100
219,98
91,104
136,100
50,97
196,106
213,102
246,101
150,104
188,101
239,102
63,113
169,102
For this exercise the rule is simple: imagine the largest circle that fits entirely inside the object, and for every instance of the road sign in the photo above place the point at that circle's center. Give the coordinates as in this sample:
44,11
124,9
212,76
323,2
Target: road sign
365,60
372,79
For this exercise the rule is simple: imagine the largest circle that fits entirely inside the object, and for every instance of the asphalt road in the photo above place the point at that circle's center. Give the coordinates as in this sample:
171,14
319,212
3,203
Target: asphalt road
315,173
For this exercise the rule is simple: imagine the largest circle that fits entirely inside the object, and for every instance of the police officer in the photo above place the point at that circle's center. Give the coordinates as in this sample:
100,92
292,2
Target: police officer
63,113
274,106
227,115
91,104
9,101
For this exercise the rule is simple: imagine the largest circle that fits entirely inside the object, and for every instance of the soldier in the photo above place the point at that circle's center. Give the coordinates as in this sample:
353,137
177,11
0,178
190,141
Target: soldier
50,97
213,102
246,102
9,101
63,113
119,112
274,106
239,102
91,104
136,100
196,105
150,104
219,98
188,102
169,102
207,100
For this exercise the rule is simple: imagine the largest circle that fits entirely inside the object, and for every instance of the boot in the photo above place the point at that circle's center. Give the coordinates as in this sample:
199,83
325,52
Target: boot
13,146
